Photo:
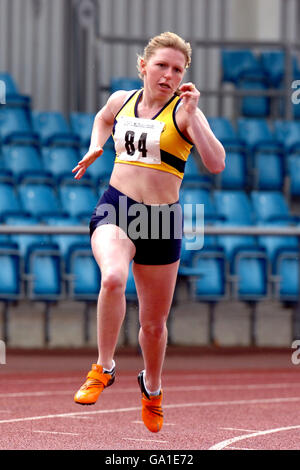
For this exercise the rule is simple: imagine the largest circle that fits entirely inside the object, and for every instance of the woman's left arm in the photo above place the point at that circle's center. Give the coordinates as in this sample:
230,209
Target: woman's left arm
199,132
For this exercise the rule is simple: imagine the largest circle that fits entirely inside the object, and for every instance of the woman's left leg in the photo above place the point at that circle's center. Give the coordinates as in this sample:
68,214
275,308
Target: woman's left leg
155,288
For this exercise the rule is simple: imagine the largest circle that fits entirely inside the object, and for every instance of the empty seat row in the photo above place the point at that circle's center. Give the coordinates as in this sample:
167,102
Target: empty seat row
44,272
243,269
251,72
254,134
237,207
78,200
19,162
39,200
271,65
19,123
259,156
251,272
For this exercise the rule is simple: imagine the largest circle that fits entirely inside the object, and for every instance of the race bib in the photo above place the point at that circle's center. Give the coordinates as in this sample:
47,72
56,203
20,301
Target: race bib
138,140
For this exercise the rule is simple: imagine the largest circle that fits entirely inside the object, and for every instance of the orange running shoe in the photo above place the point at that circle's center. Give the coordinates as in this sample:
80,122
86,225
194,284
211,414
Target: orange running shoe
152,412
96,382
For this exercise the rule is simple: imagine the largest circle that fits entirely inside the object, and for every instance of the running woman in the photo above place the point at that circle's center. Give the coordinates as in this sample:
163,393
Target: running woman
154,129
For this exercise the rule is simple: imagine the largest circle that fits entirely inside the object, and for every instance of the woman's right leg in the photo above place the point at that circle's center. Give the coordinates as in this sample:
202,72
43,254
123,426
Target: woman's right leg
113,251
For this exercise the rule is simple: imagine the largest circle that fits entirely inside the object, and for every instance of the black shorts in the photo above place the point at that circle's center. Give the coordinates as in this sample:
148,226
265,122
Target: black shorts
155,230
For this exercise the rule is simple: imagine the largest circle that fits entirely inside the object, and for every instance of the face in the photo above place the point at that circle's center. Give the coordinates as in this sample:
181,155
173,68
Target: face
164,71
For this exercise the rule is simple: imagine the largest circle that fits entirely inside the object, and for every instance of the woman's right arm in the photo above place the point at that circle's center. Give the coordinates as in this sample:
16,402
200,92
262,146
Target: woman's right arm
102,128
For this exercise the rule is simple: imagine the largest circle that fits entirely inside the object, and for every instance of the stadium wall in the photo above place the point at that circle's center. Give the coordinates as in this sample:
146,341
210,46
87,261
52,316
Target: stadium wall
56,51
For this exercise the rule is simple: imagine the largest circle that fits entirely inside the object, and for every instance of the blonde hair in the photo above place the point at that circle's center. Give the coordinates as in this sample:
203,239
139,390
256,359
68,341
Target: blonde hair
166,39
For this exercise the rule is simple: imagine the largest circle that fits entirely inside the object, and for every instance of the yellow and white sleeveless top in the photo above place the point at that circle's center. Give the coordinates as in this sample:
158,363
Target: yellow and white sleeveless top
153,143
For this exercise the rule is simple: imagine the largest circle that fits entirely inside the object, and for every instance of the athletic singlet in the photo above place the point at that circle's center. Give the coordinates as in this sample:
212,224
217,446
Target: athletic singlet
153,143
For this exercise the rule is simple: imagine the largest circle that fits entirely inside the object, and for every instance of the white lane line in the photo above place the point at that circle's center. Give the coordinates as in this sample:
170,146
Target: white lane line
221,445
200,375
165,424
79,417
190,388
58,432
240,448
135,408
237,429
35,394
145,440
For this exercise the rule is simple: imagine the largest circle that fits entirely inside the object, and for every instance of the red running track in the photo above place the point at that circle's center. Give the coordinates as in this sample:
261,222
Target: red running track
232,400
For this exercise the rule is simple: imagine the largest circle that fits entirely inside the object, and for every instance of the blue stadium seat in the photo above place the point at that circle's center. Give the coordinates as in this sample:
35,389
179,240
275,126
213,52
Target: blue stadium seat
10,272
275,244
44,272
44,278
10,281
83,280
190,197
235,174
288,134
233,244
52,127
254,105
268,169
10,84
60,160
287,274
243,68
273,63
225,133
191,244
251,274
270,206
236,63
82,125
26,240
293,173
207,273
24,161
78,200
16,125
39,199
66,241
83,273
6,175
207,278
250,282
9,200
256,134
12,92
125,83
233,206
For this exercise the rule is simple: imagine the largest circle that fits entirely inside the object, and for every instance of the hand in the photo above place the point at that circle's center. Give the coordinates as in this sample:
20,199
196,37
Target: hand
190,97
87,160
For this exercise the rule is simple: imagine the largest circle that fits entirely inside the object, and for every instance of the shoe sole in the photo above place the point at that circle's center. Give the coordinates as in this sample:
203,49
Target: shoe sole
111,381
84,404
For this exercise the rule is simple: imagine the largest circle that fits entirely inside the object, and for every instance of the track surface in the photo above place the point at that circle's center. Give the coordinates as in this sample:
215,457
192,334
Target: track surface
211,402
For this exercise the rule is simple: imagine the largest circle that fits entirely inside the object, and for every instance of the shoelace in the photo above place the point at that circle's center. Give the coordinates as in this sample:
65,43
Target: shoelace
155,409
91,383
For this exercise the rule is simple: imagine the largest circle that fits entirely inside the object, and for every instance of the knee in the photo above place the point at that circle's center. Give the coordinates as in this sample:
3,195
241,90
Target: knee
154,329
113,280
